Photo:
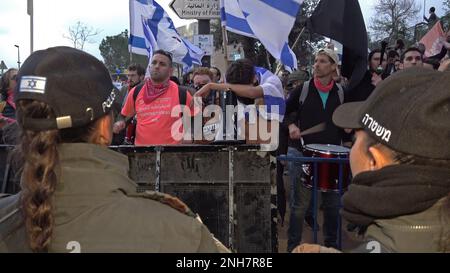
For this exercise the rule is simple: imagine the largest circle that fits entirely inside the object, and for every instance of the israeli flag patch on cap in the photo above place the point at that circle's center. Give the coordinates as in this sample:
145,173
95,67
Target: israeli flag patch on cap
33,84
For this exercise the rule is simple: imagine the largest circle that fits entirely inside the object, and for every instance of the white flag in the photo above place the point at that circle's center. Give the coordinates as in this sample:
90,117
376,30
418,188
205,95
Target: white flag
269,21
151,29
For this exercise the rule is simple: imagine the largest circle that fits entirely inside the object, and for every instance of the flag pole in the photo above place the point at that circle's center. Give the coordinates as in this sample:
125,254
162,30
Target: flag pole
225,44
293,46
268,60
298,38
424,7
30,12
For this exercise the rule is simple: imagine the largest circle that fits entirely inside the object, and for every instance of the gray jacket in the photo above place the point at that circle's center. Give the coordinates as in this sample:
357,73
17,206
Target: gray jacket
427,231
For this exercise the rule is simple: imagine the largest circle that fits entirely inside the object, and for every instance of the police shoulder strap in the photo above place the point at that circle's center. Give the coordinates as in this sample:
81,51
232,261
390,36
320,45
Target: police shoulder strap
166,199
4,195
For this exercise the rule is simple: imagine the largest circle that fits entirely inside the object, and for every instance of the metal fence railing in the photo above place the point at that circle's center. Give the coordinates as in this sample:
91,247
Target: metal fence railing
315,161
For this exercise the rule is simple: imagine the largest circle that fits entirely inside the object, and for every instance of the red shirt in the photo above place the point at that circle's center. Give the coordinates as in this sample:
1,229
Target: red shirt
159,122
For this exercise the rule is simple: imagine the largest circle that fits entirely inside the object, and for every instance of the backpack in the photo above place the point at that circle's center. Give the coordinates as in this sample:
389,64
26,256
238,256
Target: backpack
305,91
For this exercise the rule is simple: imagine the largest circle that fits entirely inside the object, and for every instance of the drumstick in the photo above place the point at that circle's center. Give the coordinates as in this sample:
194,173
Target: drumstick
315,129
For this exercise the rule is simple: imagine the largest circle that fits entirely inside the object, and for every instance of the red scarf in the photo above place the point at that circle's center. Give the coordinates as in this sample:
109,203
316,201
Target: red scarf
323,88
152,91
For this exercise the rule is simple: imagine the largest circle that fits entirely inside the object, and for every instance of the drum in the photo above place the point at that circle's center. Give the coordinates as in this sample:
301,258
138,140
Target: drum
328,173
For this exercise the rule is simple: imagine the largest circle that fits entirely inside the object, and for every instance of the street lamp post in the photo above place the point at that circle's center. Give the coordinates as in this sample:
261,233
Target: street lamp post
18,56
30,12
424,7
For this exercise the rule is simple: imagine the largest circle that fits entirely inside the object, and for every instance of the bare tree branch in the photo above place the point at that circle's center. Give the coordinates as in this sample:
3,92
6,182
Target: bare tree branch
392,18
80,33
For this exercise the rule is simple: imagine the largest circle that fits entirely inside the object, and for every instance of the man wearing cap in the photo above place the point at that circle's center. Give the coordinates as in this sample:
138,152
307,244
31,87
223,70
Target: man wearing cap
154,105
76,195
311,104
400,161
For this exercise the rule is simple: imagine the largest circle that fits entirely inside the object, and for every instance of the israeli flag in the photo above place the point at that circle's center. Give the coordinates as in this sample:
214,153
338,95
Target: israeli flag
273,95
151,29
269,21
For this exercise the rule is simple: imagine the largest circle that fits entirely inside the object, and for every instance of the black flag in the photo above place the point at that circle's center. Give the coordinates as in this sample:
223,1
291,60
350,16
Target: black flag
342,20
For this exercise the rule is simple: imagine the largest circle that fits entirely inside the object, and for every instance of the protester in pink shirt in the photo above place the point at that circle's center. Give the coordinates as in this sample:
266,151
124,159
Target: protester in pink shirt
154,106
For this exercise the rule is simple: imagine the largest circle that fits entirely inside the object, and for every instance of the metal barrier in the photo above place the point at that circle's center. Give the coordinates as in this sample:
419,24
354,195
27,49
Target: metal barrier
230,187
9,182
315,162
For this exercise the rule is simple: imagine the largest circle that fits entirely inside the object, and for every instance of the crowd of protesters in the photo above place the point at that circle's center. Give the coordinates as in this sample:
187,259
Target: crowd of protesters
403,148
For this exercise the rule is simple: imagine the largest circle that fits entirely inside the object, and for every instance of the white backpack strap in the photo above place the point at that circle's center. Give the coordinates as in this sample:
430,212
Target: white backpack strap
340,93
304,94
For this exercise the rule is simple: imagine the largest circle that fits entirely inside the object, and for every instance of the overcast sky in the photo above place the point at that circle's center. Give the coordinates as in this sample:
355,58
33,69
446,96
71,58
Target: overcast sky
52,19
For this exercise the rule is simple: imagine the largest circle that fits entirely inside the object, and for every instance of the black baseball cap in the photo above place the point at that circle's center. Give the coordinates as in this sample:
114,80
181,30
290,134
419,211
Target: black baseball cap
408,112
75,84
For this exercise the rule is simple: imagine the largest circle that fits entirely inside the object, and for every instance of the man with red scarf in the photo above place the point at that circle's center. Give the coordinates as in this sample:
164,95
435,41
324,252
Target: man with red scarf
154,105
323,97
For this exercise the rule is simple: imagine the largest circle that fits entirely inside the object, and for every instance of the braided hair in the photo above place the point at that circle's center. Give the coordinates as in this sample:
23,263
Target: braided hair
38,152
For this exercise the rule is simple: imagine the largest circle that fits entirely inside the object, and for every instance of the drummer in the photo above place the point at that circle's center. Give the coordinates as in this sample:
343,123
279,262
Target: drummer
154,103
311,104
399,200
